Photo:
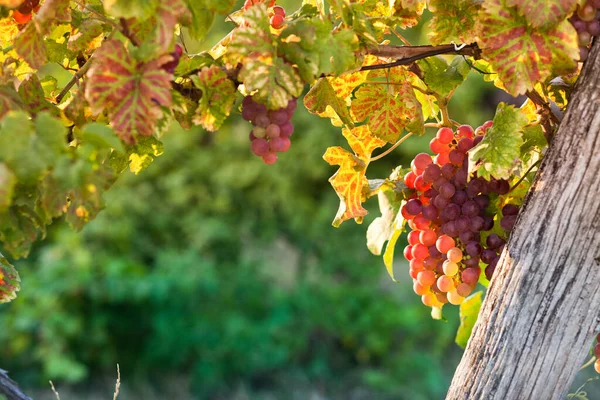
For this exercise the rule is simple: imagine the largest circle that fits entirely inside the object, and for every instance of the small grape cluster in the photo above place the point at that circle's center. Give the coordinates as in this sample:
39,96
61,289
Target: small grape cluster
22,15
277,14
272,128
447,214
586,23
171,65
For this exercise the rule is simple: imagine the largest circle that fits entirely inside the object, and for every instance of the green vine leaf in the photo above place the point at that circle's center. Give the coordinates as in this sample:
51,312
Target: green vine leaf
34,98
498,152
9,100
131,9
469,311
10,283
218,97
8,181
521,54
441,77
453,20
132,92
322,96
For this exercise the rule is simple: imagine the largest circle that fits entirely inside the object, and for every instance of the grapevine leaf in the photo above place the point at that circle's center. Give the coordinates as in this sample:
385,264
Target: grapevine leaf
132,92
34,98
544,13
202,20
218,96
9,281
89,30
521,54
500,148
322,96
189,64
8,181
137,157
349,181
253,40
100,136
9,100
52,11
389,108
453,20
29,44
469,311
441,77
274,81
168,14
131,8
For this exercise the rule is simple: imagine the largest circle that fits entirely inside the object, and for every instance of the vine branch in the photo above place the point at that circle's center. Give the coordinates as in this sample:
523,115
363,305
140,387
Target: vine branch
128,33
405,55
539,101
78,75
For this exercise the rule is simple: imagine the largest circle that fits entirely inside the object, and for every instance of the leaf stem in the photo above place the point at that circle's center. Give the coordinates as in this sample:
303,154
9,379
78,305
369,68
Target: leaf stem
587,364
538,100
388,151
128,34
78,75
525,175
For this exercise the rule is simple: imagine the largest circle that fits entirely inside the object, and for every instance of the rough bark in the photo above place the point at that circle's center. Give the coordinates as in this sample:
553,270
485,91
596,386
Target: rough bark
9,388
542,309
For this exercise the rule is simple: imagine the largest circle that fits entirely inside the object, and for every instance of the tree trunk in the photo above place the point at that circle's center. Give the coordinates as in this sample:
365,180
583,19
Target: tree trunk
9,388
542,309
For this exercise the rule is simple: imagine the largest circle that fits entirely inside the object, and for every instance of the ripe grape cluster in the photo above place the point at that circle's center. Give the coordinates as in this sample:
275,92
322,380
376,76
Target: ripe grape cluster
586,23
176,54
277,14
449,216
272,128
22,15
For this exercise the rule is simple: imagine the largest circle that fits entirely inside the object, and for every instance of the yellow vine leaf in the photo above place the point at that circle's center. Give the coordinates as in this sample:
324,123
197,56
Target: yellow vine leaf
350,180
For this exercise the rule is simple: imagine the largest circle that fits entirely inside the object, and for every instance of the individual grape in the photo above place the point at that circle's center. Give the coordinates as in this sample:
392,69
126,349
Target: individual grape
260,147
494,241
472,262
441,297
428,237
442,159
445,283
277,21
21,18
593,27
488,223
420,251
450,268
597,350
248,113
270,158
586,13
430,212
473,249
420,184
449,228
405,213
417,265
465,131
421,161
286,129
438,147
414,206
463,223
447,190
421,223
451,212
448,171
426,278
430,263
467,236
460,197
503,187
475,186
440,202
508,222
455,254
413,237
465,144
278,117
277,10
487,256
478,223
259,132
419,289
584,38
444,243
408,252
464,290
510,209
456,157
431,173
280,145
262,120
409,179
460,178
445,135
429,299
470,208
455,298
470,276
597,366
489,272
482,201
273,131
434,252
